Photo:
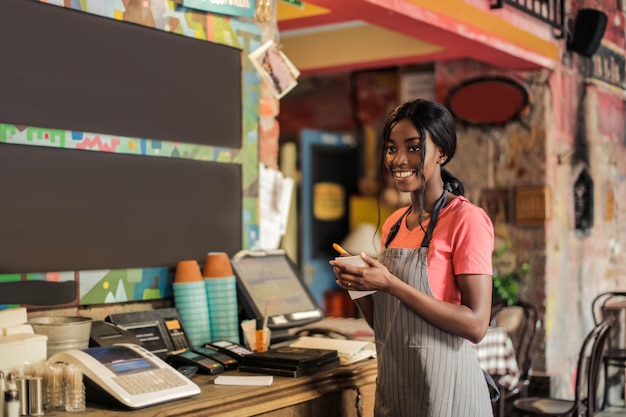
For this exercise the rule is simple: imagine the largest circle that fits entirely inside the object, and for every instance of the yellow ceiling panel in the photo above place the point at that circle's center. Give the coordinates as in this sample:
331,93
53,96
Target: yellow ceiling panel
490,24
432,29
348,45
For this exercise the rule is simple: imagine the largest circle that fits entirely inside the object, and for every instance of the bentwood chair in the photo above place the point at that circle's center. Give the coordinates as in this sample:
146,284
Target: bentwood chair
522,322
586,386
614,357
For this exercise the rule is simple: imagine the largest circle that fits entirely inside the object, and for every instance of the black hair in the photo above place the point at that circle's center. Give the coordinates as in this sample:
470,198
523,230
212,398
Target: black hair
430,118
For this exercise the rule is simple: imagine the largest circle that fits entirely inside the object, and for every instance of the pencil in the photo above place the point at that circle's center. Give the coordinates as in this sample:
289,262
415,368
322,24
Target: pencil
260,336
341,250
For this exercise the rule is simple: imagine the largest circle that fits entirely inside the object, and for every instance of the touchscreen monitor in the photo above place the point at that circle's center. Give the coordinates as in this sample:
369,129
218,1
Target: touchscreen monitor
268,281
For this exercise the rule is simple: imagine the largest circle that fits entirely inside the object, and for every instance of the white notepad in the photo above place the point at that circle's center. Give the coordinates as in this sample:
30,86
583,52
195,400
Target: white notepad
355,261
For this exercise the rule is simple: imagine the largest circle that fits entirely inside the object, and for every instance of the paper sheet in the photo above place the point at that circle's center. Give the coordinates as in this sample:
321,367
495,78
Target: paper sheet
244,380
275,190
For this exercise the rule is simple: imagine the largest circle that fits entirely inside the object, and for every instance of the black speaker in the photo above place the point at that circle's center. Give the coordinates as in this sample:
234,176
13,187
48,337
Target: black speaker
588,31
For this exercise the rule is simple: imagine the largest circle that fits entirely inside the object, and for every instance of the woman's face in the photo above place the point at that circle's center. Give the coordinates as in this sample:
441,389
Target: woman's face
403,156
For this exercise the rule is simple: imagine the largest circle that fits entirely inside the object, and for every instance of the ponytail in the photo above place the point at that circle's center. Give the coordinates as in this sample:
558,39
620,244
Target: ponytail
457,186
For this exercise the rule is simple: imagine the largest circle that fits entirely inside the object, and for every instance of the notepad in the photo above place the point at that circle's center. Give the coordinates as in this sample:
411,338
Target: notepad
349,351
354,261
264,380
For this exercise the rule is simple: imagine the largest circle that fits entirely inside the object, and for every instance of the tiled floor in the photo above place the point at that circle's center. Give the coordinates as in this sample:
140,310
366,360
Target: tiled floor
611,412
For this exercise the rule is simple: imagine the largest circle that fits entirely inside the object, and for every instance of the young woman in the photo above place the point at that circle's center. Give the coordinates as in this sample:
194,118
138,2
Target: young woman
433,277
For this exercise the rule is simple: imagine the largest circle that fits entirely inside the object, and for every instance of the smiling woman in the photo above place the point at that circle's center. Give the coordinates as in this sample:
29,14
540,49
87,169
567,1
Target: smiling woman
427,300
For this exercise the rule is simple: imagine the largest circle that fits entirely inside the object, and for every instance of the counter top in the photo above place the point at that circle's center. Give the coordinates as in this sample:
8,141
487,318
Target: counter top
236,401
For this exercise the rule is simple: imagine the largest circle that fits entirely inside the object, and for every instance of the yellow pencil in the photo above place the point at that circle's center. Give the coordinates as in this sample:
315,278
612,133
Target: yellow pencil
341,250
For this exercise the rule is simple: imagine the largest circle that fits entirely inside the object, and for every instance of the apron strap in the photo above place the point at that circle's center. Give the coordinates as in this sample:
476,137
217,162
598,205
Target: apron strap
431,225
433,219
394,229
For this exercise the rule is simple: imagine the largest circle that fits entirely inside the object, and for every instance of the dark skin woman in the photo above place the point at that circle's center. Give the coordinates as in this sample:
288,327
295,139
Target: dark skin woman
432,279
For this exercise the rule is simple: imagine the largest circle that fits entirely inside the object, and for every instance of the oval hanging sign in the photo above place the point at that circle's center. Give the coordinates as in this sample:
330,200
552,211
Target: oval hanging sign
488,101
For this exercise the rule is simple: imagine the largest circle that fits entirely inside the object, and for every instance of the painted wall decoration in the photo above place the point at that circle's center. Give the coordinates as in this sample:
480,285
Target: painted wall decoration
114,286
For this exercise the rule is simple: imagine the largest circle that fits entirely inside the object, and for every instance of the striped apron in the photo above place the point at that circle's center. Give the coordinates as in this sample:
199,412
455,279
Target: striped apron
423,371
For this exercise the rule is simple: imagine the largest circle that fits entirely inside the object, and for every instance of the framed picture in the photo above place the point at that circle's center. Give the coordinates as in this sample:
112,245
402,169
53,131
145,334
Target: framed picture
275,68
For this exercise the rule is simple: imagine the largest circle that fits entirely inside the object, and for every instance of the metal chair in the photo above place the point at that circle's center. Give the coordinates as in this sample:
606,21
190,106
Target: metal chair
523,337
614,357
587,377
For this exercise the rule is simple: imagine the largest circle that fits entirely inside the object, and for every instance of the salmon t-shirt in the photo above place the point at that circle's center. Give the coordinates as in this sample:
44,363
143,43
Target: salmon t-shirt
462,243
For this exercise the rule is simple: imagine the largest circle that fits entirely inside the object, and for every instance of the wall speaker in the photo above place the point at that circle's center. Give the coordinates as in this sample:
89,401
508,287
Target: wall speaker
588,31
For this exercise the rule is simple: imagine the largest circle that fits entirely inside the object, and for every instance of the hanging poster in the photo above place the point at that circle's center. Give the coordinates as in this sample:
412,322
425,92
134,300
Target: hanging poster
275,68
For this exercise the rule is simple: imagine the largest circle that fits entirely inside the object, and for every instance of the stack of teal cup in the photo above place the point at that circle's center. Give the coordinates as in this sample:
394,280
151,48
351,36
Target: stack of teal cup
221,295
191,302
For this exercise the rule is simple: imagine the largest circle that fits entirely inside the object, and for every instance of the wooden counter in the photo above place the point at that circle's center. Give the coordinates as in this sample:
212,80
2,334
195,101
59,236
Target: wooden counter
329,393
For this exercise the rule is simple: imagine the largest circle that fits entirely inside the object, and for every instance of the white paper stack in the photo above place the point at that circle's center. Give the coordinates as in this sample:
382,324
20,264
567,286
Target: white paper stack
12,317
349,351
18,343
17,329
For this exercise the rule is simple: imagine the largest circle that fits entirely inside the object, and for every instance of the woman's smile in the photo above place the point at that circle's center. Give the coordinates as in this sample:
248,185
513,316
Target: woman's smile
403,175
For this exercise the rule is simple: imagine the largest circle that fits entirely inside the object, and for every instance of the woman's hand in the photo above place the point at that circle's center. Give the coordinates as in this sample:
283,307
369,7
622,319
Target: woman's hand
469,320
373,277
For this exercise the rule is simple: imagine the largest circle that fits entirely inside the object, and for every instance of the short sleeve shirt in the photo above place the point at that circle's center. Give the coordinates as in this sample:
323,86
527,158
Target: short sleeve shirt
462,243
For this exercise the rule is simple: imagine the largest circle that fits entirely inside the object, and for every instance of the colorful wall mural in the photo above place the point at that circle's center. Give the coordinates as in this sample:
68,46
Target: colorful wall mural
114,286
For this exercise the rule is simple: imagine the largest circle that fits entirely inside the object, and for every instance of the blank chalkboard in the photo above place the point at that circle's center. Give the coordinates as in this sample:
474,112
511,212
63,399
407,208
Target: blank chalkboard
71,70
66,210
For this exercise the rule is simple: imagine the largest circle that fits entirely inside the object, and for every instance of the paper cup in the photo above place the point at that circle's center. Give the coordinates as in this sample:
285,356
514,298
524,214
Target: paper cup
249,334
187,271
217,265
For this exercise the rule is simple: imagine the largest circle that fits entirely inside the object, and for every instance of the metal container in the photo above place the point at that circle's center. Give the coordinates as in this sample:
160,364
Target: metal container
64,332
35,396
22,387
